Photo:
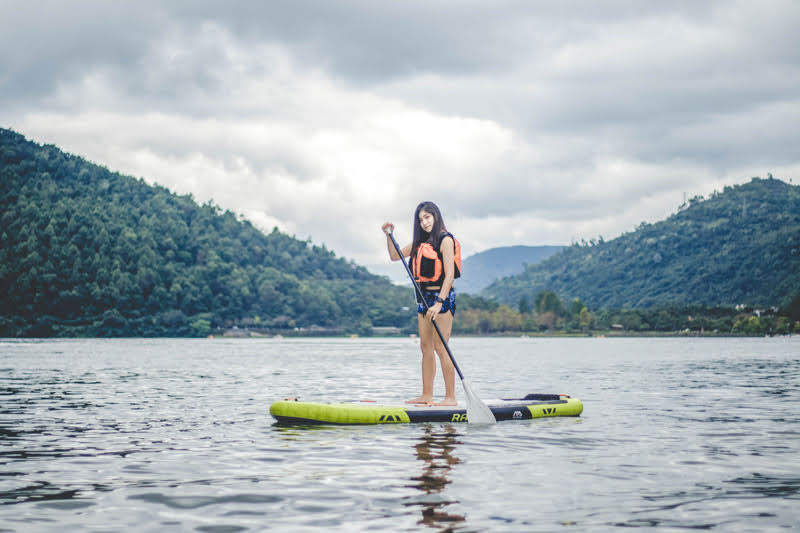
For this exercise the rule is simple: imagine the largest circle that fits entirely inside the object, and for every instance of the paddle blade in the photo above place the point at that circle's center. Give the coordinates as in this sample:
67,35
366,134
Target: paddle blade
477,411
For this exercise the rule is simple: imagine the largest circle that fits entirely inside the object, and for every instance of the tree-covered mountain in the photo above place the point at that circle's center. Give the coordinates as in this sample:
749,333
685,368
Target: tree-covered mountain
482,269
739,246
87,251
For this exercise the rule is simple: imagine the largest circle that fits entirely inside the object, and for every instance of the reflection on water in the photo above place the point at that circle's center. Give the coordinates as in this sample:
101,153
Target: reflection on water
435,450
39,425
759,485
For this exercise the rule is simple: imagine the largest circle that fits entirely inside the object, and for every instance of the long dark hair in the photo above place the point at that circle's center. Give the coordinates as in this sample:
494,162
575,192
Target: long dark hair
435,236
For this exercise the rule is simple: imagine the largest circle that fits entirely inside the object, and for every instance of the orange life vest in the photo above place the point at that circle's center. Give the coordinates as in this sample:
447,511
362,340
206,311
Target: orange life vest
427,265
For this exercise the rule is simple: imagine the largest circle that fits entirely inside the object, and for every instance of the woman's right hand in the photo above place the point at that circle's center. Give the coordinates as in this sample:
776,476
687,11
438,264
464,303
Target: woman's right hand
388,228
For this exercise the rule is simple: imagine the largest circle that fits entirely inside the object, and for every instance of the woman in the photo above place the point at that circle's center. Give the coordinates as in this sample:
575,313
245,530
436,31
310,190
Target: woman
435,261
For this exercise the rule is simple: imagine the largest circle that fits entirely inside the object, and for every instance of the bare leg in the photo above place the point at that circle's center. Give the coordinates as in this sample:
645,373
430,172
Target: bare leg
445,323
426,344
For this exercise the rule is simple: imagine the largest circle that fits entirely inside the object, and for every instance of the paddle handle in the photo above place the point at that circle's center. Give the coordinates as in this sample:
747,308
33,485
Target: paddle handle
422,298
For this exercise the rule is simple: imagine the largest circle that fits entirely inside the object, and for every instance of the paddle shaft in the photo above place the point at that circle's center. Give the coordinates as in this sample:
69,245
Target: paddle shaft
422,297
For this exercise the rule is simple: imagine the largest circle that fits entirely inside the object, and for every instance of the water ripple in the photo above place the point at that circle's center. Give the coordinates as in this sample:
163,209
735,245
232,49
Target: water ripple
159,435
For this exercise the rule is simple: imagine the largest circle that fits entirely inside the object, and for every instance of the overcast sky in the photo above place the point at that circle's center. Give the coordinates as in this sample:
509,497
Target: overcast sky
526,122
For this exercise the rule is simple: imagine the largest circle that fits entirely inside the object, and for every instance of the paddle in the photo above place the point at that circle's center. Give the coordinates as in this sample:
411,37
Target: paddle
477,411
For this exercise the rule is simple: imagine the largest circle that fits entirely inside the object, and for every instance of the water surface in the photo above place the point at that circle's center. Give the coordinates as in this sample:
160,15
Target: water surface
175,435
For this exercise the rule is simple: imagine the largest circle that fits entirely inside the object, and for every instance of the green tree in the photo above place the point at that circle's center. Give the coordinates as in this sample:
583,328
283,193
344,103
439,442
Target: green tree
200,326
576,307
585,319
549,302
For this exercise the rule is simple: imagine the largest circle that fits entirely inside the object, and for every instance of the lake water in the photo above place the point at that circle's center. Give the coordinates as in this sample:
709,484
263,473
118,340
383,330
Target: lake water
175,435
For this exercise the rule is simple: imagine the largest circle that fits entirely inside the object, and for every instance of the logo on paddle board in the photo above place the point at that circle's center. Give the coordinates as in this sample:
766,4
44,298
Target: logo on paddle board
389,418
517,415
549,410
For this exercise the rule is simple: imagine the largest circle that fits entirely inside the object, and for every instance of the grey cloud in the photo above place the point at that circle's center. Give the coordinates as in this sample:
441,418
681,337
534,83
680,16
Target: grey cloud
680,91
47,42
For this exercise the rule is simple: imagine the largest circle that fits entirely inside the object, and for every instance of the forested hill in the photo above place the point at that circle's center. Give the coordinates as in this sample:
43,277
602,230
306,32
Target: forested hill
482,269
739,246
87,251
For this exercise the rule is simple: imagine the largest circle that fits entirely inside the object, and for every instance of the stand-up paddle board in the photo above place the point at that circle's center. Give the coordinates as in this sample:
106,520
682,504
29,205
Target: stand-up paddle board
531,406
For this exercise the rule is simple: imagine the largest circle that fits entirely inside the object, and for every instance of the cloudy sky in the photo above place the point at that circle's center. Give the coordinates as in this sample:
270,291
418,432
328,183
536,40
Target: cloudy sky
527,122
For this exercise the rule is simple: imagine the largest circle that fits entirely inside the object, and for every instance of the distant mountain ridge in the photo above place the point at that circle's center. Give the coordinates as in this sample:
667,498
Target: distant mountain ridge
483,268
739,246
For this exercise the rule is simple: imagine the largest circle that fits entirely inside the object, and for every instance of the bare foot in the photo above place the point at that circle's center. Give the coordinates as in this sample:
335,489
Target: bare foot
447,402
421,400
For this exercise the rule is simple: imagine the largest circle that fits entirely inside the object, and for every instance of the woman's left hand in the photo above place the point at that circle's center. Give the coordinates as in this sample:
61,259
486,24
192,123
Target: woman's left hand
433,311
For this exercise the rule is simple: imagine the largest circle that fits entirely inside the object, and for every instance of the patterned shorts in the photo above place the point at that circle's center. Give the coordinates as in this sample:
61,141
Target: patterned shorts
430,297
